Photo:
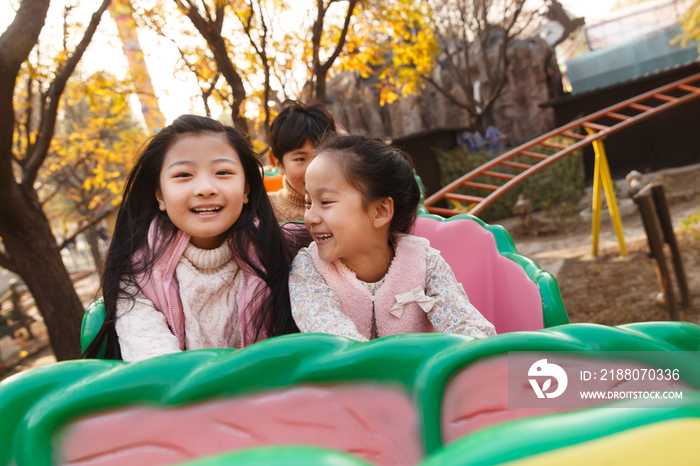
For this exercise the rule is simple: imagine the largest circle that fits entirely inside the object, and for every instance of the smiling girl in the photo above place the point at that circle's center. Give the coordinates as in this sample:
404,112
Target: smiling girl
365,277
197,259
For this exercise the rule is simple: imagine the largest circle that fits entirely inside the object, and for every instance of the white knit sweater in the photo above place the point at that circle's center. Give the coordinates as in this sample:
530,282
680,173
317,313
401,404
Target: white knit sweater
210,282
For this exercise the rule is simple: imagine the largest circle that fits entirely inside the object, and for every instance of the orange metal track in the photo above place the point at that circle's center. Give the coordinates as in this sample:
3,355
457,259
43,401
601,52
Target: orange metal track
604,123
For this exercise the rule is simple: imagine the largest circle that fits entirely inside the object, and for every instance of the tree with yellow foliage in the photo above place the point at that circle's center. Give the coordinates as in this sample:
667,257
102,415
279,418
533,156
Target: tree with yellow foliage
392,39
28,245
208,17
691,25
260,59
95,142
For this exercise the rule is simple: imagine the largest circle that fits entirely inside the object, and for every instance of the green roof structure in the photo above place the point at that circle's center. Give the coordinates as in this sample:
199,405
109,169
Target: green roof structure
646,55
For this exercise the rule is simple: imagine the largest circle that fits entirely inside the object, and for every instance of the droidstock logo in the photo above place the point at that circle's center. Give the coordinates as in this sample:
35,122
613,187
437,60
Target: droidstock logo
542,369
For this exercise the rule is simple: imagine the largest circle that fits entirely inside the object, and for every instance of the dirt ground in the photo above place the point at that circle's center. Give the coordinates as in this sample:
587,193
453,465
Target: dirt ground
615,291
609,289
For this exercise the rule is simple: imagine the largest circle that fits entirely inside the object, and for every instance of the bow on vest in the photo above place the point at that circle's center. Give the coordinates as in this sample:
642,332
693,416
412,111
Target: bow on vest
416,295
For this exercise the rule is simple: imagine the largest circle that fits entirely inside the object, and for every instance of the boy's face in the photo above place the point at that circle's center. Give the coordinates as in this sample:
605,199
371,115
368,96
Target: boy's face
294,164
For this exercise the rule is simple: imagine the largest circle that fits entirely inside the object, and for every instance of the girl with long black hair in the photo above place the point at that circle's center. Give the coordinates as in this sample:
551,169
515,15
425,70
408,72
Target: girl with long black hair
197,259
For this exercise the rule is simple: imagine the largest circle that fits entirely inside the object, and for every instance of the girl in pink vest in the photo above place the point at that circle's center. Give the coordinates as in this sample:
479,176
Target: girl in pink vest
364,276
197,259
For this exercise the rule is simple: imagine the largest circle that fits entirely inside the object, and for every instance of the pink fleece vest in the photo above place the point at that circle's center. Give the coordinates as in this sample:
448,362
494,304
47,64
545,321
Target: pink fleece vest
406,272
162,288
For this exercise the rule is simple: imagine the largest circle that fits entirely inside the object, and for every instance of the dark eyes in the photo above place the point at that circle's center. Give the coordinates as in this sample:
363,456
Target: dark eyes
308,203
218,173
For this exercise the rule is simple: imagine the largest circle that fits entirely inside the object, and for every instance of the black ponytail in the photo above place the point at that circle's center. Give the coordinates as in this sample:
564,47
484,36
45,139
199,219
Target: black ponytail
378,171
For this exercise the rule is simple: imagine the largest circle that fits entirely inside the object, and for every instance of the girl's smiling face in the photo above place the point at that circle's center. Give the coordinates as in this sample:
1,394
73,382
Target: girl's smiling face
202,187
340,223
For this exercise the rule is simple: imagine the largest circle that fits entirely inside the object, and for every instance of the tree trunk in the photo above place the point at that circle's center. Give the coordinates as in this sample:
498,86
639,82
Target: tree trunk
482,120
30,248
35,257
93,241
476,121
320,93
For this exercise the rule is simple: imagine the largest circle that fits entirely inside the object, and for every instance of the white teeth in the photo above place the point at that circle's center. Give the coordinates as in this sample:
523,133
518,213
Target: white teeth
323,237
210,210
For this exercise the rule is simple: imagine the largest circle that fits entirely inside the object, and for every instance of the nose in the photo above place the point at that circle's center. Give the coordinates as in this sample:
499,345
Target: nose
205,188
311,217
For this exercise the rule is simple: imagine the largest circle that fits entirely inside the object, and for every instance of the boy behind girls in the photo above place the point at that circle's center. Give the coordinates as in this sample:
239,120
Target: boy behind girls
294,135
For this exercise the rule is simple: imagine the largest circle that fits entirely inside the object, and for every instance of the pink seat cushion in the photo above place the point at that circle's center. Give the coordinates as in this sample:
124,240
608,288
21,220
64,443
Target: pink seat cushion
482,394
376,423
498,287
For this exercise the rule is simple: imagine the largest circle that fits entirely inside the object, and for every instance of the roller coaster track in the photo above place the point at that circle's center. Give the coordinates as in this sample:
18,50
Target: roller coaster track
584,131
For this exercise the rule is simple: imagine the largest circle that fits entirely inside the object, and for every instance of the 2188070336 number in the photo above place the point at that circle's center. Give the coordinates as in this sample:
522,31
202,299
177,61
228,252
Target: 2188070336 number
639,374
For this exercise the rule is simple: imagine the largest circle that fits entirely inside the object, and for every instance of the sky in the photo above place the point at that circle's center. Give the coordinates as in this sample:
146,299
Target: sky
178,95
590,9
175,96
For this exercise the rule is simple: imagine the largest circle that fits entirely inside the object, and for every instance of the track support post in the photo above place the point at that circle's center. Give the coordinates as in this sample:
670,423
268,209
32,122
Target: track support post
602,182
657,224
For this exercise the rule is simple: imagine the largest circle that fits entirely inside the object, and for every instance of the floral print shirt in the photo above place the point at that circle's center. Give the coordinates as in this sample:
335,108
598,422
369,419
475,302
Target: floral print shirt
316,307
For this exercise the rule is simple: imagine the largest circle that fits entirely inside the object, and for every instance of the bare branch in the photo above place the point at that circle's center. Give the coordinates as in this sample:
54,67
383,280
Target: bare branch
341,41
282,81
446,93
206,93
316,32
266,69
66,11
60,181
466,43
217,45
207,11
247,25
28,116
219,20
456,72
90,224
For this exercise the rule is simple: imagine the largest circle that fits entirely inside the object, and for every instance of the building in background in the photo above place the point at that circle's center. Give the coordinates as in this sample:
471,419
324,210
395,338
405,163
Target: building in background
633,42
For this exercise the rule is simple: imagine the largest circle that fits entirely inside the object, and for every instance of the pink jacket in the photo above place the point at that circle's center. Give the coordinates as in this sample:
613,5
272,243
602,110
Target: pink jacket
406,273
161,288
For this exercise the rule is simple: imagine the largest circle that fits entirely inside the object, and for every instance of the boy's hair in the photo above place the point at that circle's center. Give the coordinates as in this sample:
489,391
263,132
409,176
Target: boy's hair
378,170
256,226
298,123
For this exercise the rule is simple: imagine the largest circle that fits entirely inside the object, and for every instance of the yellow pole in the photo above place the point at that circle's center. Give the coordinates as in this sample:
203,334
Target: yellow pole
603,179
597,205
610,196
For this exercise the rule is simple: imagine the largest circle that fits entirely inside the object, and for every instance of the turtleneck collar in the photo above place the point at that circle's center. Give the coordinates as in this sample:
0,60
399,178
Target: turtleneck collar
292,195
208,258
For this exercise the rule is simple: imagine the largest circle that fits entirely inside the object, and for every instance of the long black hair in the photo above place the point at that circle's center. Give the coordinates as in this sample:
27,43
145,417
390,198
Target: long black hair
255,226
378,171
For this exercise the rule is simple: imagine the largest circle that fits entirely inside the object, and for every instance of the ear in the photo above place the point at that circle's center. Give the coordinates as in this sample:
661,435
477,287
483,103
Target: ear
245,194
279,165
382,212
161,202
